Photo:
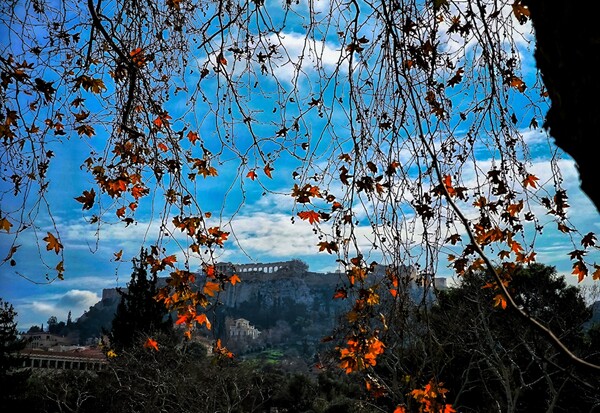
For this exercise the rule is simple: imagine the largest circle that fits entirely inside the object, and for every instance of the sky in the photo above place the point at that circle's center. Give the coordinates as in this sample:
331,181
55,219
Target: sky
262,229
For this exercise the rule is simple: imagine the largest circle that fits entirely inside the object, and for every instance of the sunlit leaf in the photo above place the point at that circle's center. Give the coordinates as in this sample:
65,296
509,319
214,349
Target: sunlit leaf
211,288
52,243
312,216
530,180
5,225
151,344
193,137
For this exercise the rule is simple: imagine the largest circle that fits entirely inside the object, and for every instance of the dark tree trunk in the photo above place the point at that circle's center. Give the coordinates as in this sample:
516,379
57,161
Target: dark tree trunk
568,57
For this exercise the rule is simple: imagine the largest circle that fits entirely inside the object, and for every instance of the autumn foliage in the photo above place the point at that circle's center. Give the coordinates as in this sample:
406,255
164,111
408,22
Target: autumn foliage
391,128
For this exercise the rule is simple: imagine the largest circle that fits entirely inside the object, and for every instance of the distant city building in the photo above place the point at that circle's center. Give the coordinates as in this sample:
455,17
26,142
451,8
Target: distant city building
83,358
241,328
43,340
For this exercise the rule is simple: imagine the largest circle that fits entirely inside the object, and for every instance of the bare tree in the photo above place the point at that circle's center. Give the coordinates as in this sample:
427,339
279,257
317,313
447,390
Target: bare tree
405,123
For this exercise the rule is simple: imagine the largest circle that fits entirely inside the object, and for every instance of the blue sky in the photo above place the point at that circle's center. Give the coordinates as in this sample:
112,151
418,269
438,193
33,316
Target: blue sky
260,224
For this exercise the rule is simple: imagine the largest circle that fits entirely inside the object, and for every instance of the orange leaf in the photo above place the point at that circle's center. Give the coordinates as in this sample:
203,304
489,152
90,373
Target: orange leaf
218,349
151,344
499,300
138,57
596,274
341,293
193,137
234,279
115,187
221,59
399,409
162,120
138,191
202,319
518,84
121,212
170,260
449,409
514,209
163,147
515,246
580,270
521,11
210,271
311,216
268,170
251,175
182,319
53,243
210,288
118,255
530,180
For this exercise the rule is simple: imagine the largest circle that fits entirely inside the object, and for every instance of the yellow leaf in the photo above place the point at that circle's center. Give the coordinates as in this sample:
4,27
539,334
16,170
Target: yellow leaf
53,243
61,269
5,225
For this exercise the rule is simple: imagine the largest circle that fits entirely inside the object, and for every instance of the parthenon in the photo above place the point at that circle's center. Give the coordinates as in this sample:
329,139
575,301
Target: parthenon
295,266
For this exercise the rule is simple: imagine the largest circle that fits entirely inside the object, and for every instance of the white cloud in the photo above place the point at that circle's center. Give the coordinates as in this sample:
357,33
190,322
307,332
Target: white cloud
37,311
274,234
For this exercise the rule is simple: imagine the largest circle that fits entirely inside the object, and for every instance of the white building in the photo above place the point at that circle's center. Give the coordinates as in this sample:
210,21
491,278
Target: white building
242,328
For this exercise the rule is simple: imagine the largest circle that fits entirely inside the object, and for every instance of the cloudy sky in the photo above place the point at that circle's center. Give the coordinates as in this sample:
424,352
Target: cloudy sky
261,226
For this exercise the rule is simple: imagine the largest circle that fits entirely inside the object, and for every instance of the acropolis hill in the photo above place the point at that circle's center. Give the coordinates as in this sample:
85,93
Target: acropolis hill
283,279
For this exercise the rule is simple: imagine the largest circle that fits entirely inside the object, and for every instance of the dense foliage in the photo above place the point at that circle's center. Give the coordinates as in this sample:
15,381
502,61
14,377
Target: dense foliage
473,357
12,377
139,316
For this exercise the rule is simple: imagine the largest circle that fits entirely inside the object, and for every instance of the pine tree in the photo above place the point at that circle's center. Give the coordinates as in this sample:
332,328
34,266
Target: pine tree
138,314
12,379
